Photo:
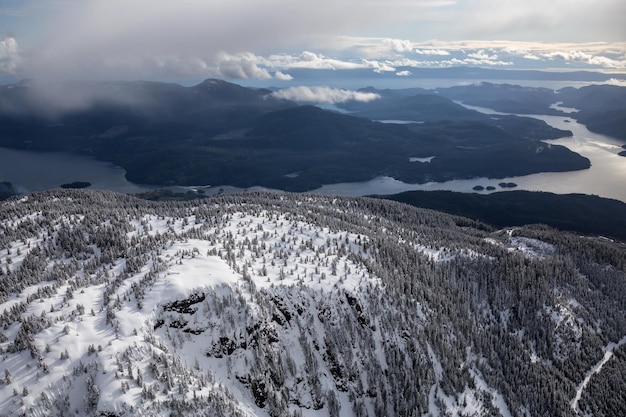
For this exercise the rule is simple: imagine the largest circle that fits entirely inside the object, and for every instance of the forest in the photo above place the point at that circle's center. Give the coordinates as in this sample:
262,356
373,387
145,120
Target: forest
301,305
221,133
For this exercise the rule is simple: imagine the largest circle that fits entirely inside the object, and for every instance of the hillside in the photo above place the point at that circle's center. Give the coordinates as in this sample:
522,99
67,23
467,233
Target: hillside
301,305
602,108
219,133
588,214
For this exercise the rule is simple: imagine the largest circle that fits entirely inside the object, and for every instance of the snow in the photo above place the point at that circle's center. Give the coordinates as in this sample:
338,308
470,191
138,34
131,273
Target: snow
433,409
195,271
531,247
564,316
192,266
231,273
422,160
497,398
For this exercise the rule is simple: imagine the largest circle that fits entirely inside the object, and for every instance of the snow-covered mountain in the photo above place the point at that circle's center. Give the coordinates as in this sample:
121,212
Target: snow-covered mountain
301,305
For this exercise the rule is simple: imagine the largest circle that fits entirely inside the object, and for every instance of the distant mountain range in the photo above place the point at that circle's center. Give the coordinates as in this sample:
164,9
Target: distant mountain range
417,75
602,108
221,133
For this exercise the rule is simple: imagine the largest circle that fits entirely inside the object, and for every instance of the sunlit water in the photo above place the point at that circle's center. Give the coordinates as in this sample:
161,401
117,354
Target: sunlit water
605,178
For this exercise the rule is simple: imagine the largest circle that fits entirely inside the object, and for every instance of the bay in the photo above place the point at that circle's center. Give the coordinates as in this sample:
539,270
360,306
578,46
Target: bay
605,178
37,171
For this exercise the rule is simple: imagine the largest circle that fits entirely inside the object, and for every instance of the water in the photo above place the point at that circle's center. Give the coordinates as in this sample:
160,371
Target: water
35,171
605,178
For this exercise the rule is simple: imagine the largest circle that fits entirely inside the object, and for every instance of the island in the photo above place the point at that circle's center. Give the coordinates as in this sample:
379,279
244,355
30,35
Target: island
7,190
76,184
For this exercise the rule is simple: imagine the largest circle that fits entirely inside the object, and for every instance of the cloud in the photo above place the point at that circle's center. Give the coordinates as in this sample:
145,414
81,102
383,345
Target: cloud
379,66
454,62
243,65
573,20
325,95
440,52
616,81
311,60
398,45
51,99
124,39
404,73
10,59
279,75
472,59
482,56
586,58
129,38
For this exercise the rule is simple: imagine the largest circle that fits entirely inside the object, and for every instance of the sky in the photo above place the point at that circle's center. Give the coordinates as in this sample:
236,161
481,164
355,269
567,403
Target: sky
274,39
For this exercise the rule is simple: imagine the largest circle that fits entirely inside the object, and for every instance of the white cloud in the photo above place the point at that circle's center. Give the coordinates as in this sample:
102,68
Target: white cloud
312,60
378,66
279,75
243,39
406,62
325,95
616,81
10,59
587,58
404,73
398,45
475,62
440,52
123,37
479,59
241,66
482,56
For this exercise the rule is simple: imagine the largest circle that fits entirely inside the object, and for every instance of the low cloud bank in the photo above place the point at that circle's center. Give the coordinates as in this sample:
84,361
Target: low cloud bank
10,58
323,95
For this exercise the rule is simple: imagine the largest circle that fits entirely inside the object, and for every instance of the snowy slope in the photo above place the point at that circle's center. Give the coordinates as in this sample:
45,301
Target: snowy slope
277,305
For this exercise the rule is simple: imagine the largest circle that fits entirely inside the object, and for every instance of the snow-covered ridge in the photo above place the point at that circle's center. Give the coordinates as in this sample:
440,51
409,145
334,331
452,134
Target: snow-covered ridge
278,304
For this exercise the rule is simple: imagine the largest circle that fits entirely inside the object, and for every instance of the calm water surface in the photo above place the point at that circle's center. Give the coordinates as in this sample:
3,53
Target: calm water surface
38,171
605,178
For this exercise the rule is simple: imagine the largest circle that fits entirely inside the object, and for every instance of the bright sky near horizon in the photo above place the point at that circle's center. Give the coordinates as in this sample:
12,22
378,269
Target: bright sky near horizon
266,39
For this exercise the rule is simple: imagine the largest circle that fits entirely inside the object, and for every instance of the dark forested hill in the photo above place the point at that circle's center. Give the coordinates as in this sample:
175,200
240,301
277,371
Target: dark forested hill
221,133
7,190
602,108
574,212
293,305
